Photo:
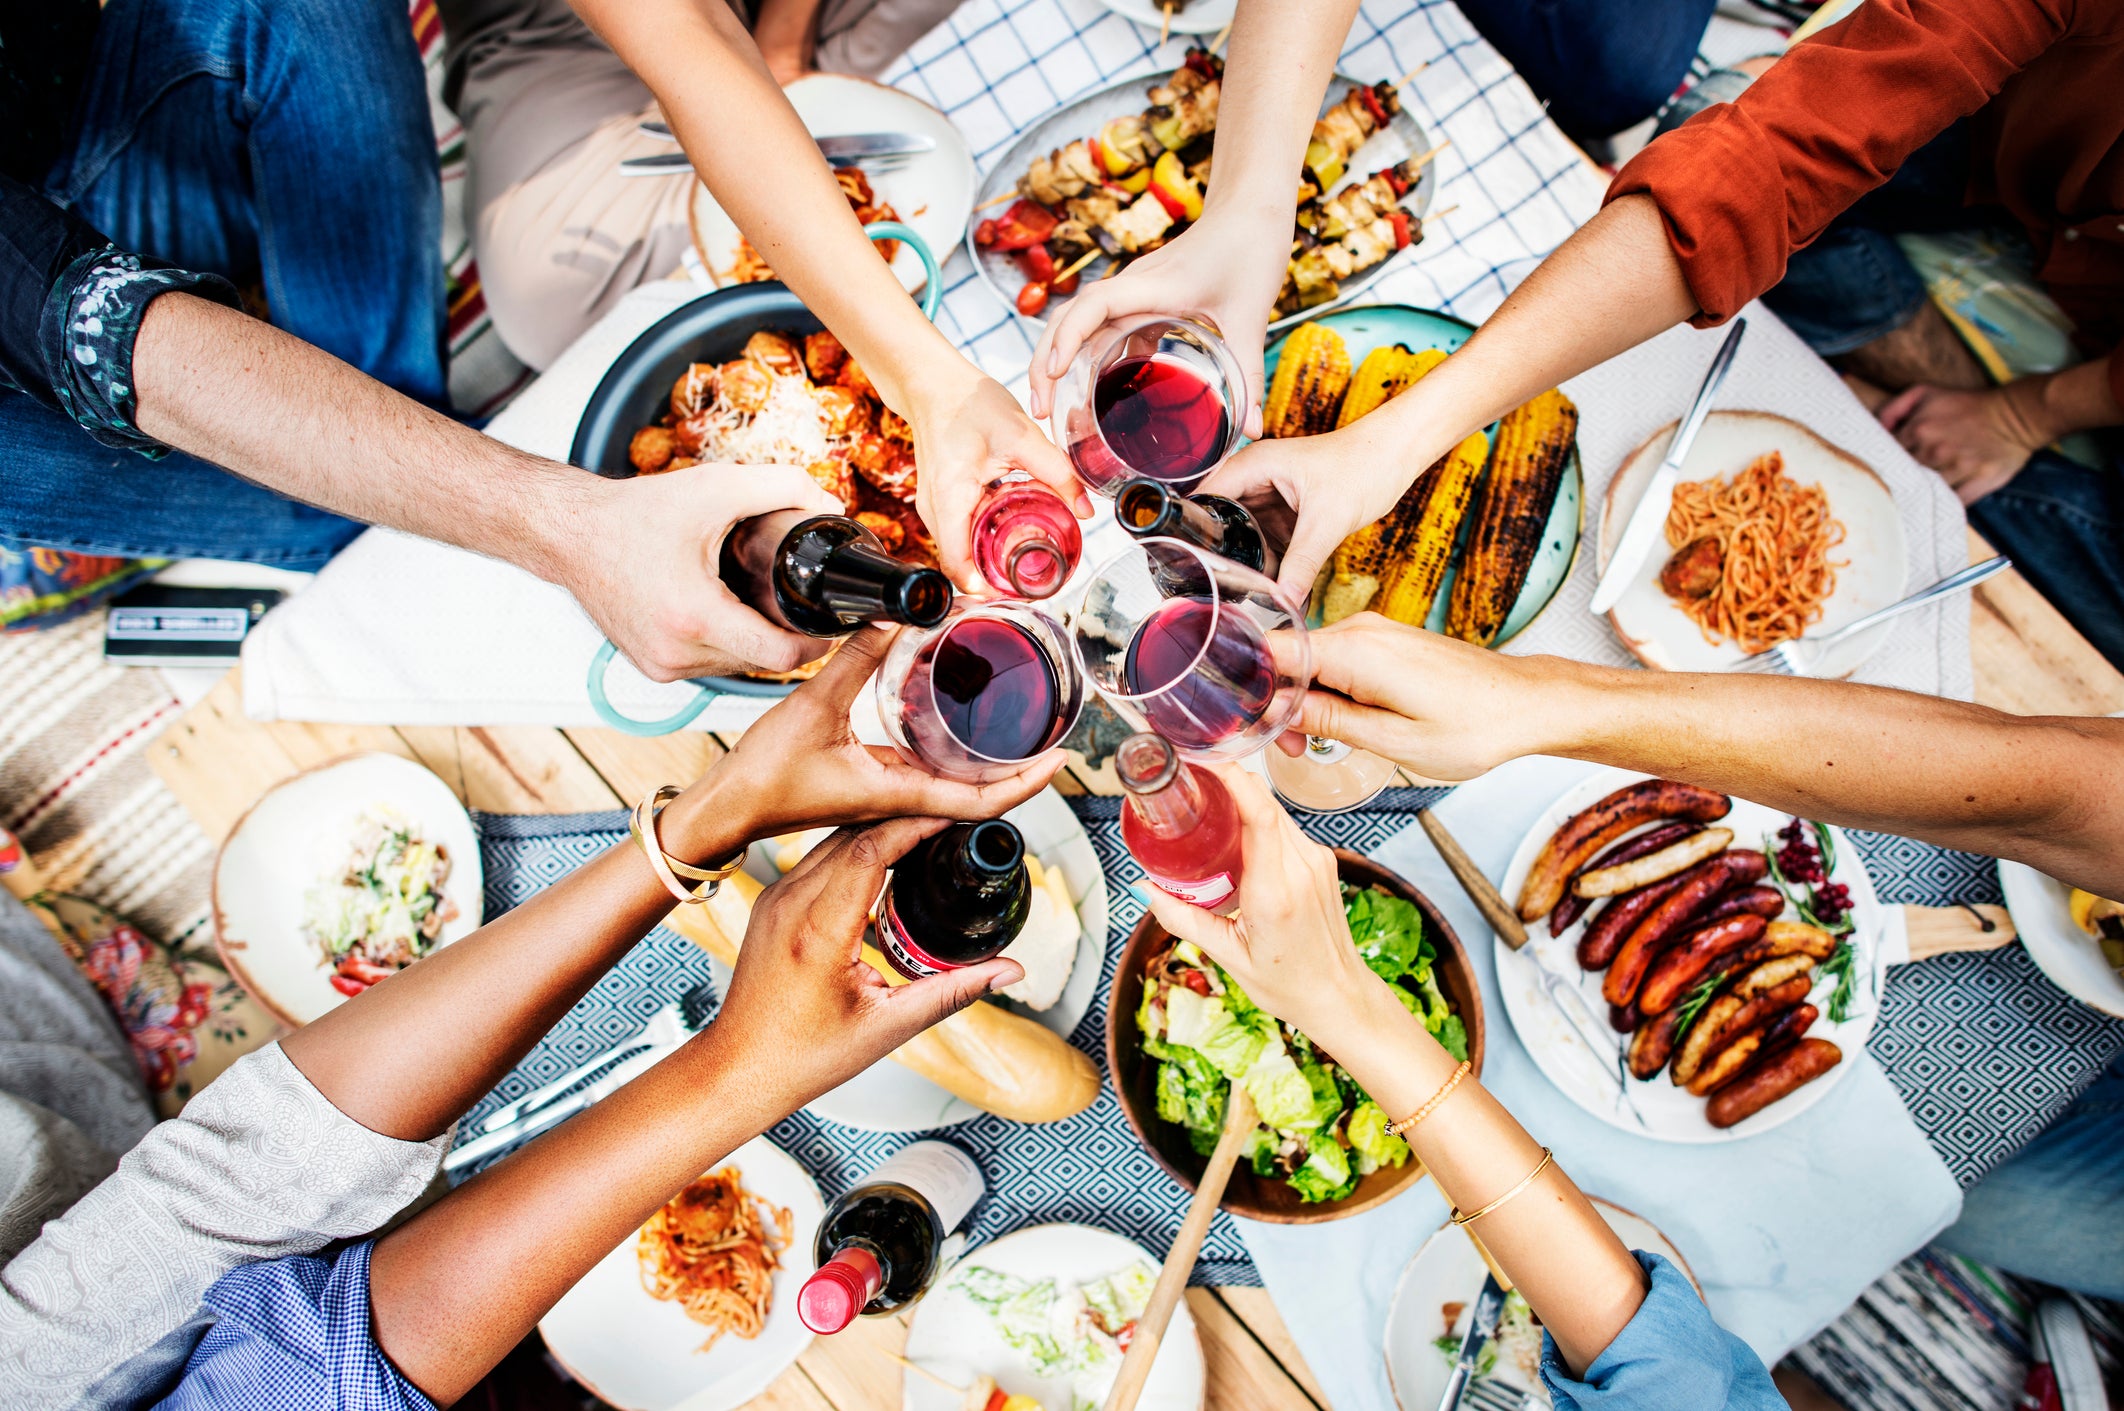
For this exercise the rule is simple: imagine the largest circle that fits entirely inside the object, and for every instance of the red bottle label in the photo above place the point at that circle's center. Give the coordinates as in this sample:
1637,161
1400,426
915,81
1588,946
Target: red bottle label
905,956
1202,891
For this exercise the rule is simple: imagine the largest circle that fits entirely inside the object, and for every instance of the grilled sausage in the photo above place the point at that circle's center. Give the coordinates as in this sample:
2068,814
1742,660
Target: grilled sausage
1699,887
1604,934
1653,1042
1574,906
1730,1014
1585,833
1778,1077
1681,965
1765,902
1782,938
1780,1034
1624,1018
1758,1030
1644,871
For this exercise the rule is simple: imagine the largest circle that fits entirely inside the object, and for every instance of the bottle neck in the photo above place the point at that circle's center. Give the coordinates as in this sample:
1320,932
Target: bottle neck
987,860
841,1287
831,575
1151,509
1162,789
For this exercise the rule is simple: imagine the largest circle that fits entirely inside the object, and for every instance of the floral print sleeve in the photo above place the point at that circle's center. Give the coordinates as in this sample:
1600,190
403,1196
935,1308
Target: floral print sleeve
90,321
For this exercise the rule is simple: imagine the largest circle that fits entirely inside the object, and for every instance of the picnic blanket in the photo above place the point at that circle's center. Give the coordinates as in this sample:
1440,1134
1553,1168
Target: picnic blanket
1980,1049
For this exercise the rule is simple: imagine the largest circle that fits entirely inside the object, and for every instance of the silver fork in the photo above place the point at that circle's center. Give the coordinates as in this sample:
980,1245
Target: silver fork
1486,1395
1801,655
669,1025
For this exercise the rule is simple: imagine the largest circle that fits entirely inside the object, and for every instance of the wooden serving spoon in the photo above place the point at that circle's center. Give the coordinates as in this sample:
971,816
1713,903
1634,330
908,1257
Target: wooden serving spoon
1239,1120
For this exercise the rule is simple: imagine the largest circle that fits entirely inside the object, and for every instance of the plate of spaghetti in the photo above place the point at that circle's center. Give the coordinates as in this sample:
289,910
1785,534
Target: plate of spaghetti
698,1307
1773,534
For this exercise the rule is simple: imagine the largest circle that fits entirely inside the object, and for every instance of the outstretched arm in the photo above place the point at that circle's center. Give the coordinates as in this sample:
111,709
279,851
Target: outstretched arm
2037,789
461,1283
751,149
409,1056
1230,263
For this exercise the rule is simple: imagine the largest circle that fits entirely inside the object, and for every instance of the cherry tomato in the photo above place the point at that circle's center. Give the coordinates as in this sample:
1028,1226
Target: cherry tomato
1068,285
1039,266
985,233
1400,221
346,984
1032,299
1196,981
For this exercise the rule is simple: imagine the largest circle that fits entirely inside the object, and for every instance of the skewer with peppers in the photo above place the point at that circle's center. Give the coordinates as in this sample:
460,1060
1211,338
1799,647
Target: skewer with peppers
1349,232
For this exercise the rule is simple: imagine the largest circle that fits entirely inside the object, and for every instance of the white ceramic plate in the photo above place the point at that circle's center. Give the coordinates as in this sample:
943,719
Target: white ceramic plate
2068,955
1198,17
887,1097
1670,1113
640,1353
1401,139
954,1337
1875,558
1448,1270
932,192
296,835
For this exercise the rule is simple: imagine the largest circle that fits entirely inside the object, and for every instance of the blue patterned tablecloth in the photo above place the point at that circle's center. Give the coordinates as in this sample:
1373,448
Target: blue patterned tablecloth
1983,1049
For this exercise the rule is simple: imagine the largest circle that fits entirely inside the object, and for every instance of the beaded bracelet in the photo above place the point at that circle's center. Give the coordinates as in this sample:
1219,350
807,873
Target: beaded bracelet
1527,1180
642,826
1395,1129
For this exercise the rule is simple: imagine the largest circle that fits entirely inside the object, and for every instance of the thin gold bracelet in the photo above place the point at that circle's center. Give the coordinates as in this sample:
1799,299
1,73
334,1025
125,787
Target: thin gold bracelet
1547,1156
642,826
1395,1129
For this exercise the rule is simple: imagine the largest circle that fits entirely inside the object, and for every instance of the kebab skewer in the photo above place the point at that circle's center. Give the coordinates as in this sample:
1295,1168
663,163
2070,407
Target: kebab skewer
1349,232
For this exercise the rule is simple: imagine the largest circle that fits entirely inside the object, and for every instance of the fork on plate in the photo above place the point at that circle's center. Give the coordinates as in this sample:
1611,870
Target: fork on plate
1802,656
1486,1395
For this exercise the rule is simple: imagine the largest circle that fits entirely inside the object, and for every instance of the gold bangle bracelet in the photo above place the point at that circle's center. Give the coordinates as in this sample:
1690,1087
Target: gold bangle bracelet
1547,1156
1395,1129
641,825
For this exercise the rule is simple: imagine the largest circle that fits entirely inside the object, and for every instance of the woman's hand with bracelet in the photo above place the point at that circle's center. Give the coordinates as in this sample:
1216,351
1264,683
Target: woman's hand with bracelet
801,766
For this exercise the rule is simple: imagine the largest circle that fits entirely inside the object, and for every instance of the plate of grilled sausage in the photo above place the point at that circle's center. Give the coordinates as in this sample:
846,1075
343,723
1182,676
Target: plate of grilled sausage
1733,951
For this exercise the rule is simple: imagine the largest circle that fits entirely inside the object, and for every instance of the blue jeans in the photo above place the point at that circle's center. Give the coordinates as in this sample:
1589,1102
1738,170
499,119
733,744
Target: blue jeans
1600,65
283,143
2054,1211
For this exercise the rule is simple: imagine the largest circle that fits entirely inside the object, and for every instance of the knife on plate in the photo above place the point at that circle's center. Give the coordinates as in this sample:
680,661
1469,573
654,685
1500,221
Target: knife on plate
1650,517
1482,1326
842,150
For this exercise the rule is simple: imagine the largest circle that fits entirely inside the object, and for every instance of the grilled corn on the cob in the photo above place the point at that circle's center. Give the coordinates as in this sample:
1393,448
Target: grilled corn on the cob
1385,373
1310,380
1510,513
1441,502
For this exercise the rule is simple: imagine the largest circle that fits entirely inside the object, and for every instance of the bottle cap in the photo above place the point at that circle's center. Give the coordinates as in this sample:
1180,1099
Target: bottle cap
832,1297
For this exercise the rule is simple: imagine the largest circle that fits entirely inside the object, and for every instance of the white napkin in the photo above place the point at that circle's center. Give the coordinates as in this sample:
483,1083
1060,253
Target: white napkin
1783,1230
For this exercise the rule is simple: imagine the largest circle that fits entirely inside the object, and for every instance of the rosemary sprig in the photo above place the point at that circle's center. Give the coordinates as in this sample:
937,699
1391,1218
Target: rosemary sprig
1693,1004
1842,967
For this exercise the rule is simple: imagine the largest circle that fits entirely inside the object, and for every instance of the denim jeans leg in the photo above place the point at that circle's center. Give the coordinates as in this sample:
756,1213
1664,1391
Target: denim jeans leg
1849,287
64,490
1600,65
286,141
2061,523
2054,1210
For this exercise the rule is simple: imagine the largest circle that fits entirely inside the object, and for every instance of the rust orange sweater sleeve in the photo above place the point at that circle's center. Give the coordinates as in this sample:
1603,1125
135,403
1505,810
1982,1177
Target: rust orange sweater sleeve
1743,184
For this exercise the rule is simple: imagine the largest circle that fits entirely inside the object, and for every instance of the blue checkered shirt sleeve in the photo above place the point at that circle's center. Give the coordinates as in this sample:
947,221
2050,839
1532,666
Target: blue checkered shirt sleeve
294,1333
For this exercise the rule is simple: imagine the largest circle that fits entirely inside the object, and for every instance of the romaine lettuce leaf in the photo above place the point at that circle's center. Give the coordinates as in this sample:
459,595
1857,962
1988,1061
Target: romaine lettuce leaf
1327,1094
1260,1151
1207,1027
1453,1035
1326,1174
1388,932
1281,1092
1368,1137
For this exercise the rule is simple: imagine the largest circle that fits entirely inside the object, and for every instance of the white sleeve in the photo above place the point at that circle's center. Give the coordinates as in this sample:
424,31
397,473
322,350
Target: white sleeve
260,1166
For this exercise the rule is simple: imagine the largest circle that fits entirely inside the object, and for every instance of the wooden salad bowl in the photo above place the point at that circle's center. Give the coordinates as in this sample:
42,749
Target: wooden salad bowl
1272,1200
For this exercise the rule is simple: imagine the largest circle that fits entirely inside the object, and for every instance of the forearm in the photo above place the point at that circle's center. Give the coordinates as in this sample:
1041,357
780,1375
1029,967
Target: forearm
787,33
1580,1280
1608,288
2051,405
1282,58
2036,789
419,1049
455,1288
273,409
734,123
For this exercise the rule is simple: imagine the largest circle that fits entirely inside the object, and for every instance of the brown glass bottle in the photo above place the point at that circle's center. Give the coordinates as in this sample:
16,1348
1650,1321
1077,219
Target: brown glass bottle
888,1239
825,575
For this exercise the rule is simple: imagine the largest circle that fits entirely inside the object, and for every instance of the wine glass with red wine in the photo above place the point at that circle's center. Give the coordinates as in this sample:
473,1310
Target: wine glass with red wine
1155,396
1178,642
990,687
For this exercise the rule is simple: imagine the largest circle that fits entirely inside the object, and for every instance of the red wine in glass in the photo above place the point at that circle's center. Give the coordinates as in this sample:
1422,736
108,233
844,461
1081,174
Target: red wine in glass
1026,540
991,685
958,898
1161,417
1179,823
1201,673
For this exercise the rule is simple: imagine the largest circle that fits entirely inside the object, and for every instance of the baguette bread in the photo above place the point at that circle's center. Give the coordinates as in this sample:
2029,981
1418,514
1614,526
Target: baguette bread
993,1059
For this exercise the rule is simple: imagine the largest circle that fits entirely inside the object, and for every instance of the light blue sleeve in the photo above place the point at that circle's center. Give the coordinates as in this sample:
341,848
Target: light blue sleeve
1670,1357
294,1333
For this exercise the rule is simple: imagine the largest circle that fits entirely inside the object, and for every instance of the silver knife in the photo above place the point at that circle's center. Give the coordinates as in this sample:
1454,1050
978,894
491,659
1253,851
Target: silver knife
840,151
1650,516
1591,1030
554,1113
1482,1326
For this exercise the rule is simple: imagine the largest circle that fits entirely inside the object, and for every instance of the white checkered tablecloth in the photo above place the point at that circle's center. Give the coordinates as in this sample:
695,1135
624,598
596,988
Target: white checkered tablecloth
998,66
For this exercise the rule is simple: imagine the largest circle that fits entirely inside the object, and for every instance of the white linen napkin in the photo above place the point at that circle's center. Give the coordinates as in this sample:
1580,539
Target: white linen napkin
1783,1229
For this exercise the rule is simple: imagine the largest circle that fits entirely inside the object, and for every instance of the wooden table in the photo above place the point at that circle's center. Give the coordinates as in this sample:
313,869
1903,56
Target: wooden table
2027,658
